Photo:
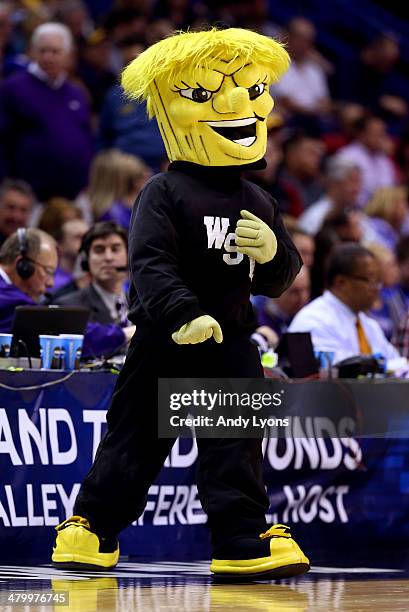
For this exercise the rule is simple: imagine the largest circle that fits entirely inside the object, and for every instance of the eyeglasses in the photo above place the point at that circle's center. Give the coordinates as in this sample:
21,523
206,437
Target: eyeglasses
367,281
49,271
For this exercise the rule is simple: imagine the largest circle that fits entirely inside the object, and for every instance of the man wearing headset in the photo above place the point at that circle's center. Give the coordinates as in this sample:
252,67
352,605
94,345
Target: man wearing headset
28,261
104,252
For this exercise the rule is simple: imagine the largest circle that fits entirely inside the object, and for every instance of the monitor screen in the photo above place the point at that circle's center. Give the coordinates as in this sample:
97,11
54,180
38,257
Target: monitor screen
296,355
31,321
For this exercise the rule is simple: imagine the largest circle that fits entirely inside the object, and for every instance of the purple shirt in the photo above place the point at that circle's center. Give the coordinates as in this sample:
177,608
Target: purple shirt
10,297
98,339
45,135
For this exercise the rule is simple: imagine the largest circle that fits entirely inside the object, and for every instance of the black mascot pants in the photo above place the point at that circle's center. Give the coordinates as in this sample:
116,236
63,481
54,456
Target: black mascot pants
130,456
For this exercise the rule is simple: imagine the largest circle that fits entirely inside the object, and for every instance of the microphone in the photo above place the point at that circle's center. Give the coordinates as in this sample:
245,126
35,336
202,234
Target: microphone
121,268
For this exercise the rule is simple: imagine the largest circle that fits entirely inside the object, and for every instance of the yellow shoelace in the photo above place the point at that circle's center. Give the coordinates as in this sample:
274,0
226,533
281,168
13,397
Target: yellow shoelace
74,520
276,531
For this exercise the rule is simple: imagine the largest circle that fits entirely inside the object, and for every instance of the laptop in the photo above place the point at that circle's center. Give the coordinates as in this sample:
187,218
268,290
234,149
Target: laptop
31,321
296,355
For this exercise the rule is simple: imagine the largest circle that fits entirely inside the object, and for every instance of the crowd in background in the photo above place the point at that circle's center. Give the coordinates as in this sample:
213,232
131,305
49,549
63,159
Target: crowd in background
74,151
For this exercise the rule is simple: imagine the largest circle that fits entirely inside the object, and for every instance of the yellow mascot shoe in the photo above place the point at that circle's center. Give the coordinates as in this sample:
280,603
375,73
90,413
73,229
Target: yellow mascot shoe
77,547
286,559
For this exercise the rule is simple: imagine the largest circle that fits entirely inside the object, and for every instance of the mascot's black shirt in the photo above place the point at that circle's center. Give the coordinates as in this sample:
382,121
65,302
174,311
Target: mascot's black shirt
182,254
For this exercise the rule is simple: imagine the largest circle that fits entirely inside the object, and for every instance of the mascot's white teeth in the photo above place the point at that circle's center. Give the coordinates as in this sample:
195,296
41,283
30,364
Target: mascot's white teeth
239,131
246,142
230,123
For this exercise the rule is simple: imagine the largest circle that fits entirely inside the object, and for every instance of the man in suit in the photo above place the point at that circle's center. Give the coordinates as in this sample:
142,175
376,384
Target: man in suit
105,251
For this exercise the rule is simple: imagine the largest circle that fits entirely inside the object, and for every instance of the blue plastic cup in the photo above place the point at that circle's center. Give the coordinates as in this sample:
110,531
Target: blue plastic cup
5,344
50,346
72,344
325,358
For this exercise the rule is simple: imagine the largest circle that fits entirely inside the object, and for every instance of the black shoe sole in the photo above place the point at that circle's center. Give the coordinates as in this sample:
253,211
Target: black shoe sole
287,571
72,565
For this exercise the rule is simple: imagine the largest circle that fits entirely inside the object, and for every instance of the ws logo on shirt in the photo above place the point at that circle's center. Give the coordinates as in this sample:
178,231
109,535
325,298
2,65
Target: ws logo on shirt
218,238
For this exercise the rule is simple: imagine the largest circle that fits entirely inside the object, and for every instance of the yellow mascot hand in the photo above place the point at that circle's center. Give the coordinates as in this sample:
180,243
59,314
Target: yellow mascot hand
255,239
198,330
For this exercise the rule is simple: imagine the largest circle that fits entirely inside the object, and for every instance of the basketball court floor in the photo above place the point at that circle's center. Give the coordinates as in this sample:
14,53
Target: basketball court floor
179,587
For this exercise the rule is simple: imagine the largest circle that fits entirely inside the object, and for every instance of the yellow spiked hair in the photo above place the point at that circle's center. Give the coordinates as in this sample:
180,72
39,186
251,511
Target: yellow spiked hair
194,51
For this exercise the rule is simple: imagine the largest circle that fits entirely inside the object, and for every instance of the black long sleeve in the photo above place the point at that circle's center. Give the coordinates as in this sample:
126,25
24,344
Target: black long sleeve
274,277
183,257
154,260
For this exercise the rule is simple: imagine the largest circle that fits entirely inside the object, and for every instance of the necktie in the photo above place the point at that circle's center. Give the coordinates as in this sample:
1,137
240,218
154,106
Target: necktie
364,346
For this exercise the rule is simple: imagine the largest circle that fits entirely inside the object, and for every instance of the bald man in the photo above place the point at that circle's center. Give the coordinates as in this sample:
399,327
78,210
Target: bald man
28,261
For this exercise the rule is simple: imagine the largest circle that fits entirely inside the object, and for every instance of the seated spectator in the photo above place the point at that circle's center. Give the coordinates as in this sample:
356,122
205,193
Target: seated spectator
370,152
387,212
301,168
303,90
343,185
337,320
45,130
105,251
28,261
279,312
384,309
16,205
115,181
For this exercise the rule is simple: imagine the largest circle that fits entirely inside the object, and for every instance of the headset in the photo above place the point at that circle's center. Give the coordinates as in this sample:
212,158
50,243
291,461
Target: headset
86,243
84,258
25,268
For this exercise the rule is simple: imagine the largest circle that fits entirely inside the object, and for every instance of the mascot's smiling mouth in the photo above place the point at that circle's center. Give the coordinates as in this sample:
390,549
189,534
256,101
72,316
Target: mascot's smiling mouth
240,131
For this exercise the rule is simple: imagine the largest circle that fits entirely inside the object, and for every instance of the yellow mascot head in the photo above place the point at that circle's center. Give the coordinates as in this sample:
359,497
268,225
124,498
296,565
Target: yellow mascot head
209,92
